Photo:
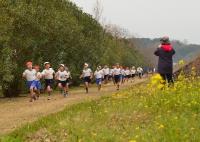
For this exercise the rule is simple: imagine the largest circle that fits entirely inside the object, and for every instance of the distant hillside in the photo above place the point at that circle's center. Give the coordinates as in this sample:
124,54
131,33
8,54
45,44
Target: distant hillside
184,51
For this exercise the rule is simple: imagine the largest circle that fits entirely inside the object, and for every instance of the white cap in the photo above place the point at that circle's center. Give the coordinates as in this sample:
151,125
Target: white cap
62,65
46,63
86,64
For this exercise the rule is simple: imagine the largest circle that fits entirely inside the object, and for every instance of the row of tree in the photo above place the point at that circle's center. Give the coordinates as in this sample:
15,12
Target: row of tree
56,31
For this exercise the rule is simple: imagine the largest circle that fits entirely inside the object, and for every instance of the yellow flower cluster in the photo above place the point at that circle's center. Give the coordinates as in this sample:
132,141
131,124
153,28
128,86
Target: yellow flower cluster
156,82
181,62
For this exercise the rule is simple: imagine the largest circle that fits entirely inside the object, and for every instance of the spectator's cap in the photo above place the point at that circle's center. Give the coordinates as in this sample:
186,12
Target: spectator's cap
165,39
45,63
29,63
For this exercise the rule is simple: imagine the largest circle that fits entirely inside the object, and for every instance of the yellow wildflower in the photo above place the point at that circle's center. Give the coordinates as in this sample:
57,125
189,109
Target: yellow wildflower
181,62
132,141
161,126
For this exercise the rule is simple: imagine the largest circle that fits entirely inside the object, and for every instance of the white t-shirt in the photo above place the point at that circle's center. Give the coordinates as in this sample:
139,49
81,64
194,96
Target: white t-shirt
117,71
48,74
87,72
139,70
123,72
111,71
106,71
63,75
133,71
127,72
38,76
98,74
30,75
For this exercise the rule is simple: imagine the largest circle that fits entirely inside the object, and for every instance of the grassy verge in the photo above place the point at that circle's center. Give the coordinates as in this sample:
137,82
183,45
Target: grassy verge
141,113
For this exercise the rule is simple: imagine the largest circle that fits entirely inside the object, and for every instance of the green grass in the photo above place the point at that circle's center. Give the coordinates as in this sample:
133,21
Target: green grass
139,114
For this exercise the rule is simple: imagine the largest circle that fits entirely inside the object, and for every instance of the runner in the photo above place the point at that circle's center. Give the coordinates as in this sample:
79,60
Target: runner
86,76
133,73
69,77
123,75
127,74
99,75
140,72
38,85
48,74
63,75
101,69
154,70
106,72
117,74
30,75
111,77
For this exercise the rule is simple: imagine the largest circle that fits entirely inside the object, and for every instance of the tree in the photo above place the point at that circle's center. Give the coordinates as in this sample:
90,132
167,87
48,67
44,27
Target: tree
117,31
98,10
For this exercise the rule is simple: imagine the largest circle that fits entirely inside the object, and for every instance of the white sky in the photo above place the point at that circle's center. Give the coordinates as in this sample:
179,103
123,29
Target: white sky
179,19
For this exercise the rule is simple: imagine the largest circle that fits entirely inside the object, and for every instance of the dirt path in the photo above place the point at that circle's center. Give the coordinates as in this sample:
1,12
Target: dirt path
18,111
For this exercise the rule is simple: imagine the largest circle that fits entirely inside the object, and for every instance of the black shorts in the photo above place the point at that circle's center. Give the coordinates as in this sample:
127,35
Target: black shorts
117,78
128,76
63,83
110,77
49,82
140,74
87,79
106,77
133,75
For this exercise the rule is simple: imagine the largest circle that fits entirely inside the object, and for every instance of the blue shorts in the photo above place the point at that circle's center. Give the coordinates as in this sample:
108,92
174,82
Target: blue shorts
29,84
37,85
98,81
34,84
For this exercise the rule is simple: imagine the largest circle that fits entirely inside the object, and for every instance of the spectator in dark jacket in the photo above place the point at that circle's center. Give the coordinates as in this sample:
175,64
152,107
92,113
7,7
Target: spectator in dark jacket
165,53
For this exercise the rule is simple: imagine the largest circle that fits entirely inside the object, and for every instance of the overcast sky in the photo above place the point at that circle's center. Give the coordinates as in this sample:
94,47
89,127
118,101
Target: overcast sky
180,19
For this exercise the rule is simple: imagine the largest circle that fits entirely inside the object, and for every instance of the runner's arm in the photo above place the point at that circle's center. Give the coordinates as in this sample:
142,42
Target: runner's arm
24,74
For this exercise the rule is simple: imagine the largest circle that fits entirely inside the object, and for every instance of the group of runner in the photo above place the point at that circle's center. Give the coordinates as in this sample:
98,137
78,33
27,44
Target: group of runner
117,74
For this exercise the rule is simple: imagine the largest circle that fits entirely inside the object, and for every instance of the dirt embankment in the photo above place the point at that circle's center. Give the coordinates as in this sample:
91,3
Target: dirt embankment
187,69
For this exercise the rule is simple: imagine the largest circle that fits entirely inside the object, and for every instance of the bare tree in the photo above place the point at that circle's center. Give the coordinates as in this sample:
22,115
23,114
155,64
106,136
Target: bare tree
98,10
113,29
117,31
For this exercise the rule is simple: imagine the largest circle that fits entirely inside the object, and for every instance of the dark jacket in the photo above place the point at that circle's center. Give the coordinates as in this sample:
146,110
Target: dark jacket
165,62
